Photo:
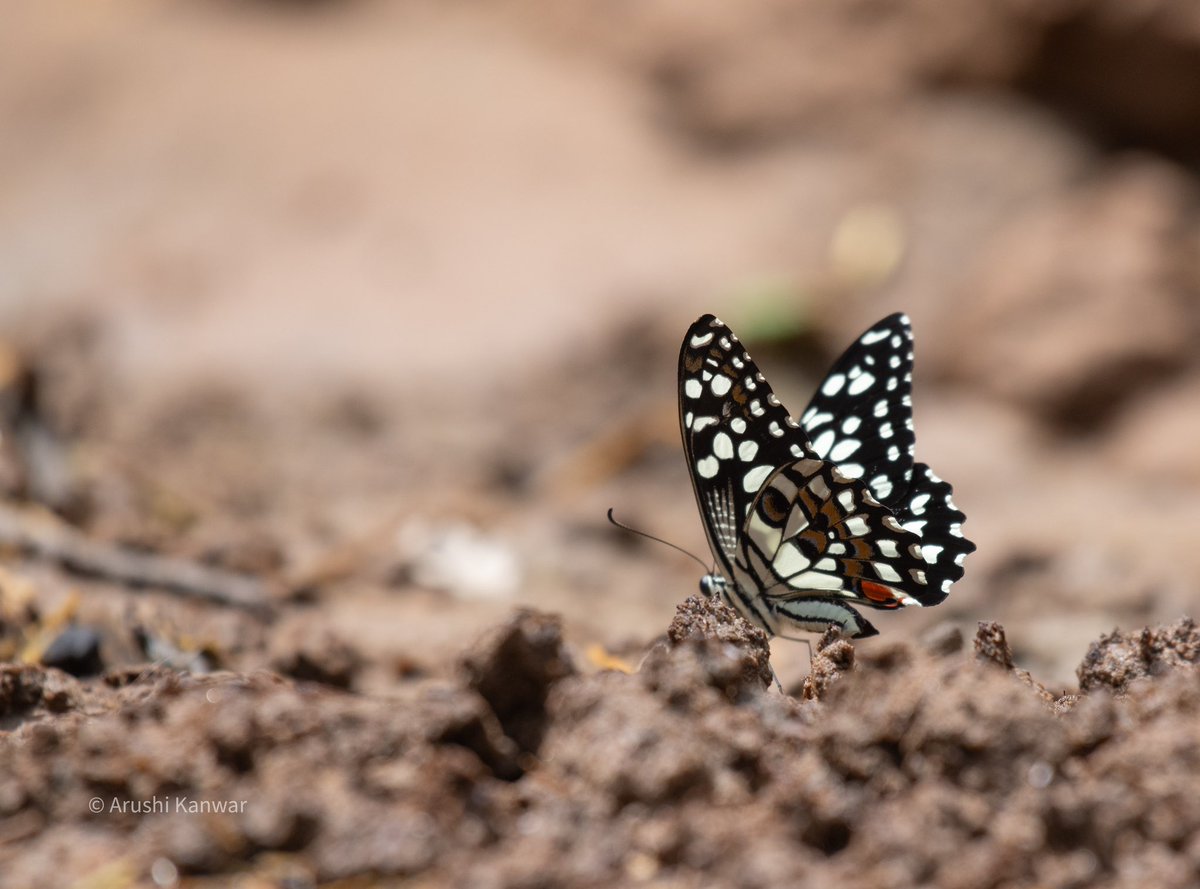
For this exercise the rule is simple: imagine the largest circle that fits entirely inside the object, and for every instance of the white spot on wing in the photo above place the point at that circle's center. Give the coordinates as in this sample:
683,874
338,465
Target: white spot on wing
843,449
857,526
722,446
819,488
701,340
861,384
738,425
720,385
833,385
692,388
813,580
823,443
747,450
873,336
789,561
753,479
886,571
707,467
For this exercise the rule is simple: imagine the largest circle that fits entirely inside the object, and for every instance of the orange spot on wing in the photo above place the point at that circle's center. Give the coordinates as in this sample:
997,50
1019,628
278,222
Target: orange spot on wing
877,592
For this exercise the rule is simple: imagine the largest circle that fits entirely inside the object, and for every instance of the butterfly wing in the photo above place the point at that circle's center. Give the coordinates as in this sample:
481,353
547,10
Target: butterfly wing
928,510
735,432
861,415
815,534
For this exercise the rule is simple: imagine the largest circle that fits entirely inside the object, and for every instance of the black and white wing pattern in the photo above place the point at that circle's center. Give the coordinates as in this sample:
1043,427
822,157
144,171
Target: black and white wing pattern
796,538
861,415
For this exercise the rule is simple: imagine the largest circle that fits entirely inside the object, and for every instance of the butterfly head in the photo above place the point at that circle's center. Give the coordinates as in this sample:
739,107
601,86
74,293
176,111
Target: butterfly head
713,585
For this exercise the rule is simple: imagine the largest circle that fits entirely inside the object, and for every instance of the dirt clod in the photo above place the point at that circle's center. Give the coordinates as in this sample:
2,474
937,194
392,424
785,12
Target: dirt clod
834,656
1118,659
513,670
991,645
736,653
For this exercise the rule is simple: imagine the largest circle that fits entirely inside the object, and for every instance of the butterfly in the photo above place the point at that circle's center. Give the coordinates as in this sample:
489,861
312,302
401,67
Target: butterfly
807,519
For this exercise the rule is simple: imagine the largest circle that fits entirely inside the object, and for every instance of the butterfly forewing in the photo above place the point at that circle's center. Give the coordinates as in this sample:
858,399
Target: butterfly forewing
861,415
928,510
735,431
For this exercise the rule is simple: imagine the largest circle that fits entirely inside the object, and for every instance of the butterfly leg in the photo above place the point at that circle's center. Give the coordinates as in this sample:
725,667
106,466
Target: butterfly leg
775,679
803,641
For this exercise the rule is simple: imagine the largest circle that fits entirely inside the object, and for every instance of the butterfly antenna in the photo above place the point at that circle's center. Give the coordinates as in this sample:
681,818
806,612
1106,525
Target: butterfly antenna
625,527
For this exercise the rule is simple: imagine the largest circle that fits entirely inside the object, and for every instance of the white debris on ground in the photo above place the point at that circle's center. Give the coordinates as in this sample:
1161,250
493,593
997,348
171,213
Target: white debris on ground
459,559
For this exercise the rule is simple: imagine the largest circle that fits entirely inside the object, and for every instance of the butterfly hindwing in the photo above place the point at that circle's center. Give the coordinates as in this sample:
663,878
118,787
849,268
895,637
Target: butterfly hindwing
812,530
861,415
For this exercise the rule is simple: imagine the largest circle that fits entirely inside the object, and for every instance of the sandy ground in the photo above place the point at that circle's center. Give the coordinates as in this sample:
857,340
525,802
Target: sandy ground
331,331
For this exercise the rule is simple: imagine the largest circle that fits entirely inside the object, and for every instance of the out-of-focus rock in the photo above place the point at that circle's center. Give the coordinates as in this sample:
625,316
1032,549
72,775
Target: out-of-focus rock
1083,302
1162,429
27,691
513,669
304,650
942,639
76,650
744,74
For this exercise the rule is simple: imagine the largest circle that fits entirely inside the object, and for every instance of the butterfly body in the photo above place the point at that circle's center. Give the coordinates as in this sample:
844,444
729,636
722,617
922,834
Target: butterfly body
807,518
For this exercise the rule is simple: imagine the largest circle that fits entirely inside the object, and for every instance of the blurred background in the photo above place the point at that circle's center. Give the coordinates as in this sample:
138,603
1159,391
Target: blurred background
379,305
